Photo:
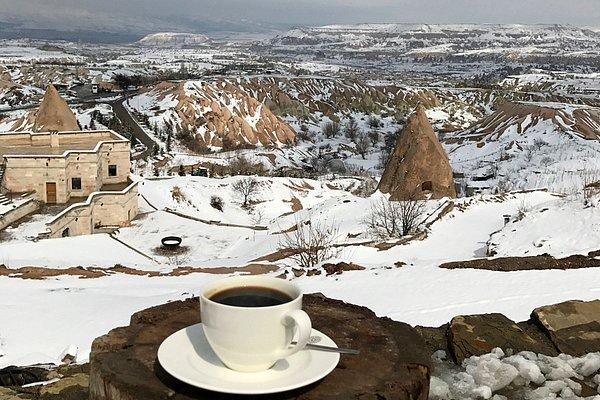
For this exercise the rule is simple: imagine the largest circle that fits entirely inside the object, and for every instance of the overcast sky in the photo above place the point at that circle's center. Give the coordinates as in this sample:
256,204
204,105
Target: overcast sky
136,14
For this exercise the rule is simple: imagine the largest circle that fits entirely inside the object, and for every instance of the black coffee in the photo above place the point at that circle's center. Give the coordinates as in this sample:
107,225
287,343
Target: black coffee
251,296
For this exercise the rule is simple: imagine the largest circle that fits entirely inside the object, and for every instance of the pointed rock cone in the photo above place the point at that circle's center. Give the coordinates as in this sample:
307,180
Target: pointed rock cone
54,114
419,167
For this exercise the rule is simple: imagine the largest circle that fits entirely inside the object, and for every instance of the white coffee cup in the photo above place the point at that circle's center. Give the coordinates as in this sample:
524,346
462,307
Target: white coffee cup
251,339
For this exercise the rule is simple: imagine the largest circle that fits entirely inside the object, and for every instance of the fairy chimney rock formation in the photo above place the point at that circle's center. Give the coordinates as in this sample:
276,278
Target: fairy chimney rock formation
419,167
54,114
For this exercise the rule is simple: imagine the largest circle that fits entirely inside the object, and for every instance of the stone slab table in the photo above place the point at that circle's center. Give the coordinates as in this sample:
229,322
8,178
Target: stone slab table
393,364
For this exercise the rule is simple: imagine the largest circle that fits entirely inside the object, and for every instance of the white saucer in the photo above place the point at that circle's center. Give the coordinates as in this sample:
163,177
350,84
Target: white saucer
187,356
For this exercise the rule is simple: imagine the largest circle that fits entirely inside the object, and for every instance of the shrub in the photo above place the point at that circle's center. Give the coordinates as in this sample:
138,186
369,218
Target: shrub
366,188
311,243
374,136
216,202
331,129
373,121
546,161
177,194
351,129
242,166
389,144
394,219
538,143
305,134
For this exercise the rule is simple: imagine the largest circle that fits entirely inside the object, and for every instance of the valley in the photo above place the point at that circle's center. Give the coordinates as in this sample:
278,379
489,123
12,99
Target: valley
397,148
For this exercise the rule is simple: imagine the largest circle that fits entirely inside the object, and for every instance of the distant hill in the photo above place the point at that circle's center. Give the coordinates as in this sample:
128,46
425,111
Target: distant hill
464,42
172,39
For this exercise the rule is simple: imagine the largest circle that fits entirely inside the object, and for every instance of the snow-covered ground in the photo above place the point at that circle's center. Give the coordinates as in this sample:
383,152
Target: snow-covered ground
560,228
14,51
481,376
40,318
82,309
528,146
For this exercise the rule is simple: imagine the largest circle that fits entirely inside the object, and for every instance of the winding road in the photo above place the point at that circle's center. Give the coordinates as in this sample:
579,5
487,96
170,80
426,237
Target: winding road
137,131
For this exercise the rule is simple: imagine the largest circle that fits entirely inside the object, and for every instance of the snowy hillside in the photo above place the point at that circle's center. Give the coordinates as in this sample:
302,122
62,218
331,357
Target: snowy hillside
559,228
586,86
211,115
484,41
172,39
291,135
530,145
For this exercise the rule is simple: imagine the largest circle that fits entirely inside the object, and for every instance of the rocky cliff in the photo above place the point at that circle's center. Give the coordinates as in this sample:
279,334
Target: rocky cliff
213,114
418,167
54,114
524,118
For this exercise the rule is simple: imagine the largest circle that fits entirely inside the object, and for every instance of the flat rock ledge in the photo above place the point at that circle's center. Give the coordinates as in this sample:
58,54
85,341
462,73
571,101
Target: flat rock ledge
571,327
528,263
394,362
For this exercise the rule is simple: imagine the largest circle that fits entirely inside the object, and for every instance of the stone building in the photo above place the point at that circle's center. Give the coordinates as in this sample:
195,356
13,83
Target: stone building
89,168
58,166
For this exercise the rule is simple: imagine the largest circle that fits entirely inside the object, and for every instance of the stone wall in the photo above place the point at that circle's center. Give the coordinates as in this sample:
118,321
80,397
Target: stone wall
17,213
31,173
101,209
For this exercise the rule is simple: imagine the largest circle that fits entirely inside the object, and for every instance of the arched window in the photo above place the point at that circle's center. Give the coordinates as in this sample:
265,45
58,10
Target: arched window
65,233
427,186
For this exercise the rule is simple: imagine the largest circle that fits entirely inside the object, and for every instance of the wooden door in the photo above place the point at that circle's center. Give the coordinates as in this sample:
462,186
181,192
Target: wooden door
50,192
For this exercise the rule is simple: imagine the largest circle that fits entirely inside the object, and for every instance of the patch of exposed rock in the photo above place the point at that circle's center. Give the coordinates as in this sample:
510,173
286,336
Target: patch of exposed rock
541,262
65,383
571,327
338,268
470,335
419,167
98,272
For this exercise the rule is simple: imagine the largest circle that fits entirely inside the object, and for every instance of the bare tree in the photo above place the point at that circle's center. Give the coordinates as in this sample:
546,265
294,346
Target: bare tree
331,129
351,129
389,144
394,219
245,188
374,136
363,144
311,243
373,121
591,186
242,166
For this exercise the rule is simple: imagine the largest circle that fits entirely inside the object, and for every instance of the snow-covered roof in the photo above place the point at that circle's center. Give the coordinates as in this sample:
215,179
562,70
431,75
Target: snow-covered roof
38,144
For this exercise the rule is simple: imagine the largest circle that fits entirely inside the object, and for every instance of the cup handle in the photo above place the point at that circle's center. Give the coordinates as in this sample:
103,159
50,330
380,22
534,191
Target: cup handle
304,327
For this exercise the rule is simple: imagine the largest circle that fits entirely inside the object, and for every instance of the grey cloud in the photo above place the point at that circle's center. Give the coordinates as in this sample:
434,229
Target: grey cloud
140,15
